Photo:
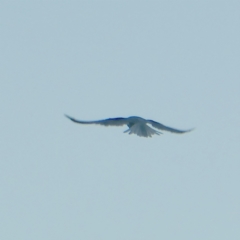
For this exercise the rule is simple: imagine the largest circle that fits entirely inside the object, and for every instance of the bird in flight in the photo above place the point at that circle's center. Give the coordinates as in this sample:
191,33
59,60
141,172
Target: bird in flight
136,125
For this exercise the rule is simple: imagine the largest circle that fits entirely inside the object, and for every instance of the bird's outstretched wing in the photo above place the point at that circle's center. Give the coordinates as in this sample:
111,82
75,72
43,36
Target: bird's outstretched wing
104,122
162,127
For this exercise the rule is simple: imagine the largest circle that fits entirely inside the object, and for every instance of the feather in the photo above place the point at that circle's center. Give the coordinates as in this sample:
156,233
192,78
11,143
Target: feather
136,125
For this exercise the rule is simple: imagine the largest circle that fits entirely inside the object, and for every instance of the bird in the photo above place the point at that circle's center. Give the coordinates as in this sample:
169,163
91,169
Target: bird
136,125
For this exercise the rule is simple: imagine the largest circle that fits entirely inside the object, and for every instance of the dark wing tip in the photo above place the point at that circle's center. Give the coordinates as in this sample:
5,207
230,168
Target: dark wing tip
185,131
69,117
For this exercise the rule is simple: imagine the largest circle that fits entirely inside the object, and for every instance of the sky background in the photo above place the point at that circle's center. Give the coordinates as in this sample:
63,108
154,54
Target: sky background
176,62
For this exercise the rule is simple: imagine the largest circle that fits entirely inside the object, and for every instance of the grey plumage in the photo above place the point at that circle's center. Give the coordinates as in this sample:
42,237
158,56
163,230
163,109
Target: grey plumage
137,125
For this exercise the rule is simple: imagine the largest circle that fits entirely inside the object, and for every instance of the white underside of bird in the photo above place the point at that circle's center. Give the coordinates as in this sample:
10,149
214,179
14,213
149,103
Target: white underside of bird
137,125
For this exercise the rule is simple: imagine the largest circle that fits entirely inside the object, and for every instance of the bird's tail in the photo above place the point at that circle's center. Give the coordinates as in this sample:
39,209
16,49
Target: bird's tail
142,130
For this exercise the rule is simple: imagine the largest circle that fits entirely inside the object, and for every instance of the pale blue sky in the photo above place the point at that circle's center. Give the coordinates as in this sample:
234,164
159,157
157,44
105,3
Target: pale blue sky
176,62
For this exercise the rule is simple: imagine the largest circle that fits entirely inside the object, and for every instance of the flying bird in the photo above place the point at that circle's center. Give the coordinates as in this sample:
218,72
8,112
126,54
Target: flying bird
136,125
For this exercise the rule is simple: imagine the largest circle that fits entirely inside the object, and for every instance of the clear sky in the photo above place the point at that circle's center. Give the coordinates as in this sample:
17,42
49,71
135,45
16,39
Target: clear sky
176,62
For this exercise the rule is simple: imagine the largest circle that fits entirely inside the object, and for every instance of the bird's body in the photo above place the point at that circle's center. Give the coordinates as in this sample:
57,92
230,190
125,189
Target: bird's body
137,125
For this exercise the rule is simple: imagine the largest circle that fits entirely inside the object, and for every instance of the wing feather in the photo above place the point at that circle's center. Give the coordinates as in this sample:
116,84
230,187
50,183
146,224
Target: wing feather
105,122
165,128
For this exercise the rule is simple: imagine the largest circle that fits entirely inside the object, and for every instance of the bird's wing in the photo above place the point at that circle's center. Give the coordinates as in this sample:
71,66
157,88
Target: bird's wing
162,127
104,122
